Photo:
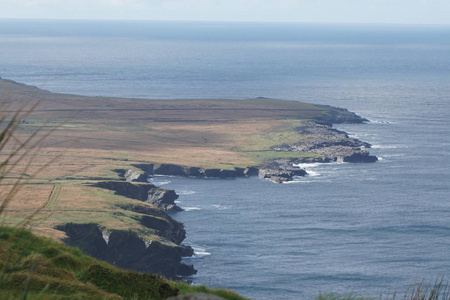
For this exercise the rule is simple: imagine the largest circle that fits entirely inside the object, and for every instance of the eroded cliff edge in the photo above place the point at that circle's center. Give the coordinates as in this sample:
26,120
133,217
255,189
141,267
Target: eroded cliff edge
157,249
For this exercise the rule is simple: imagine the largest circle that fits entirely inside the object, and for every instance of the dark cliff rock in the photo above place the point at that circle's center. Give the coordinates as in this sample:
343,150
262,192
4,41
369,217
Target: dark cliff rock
127,250
173,231
127,189
164,225
163,198
184,171
250,171
337,115
280,173
187,251
147,168
174,170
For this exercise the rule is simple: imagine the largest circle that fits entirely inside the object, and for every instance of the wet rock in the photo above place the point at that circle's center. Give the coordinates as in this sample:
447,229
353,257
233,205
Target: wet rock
186,270
187,251
279,173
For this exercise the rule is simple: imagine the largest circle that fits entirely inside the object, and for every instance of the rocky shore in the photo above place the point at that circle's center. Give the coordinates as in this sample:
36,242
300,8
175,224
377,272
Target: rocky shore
319,137
128,250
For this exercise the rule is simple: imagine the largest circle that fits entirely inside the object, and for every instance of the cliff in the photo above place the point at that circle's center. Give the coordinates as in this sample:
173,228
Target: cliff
126,249
160,252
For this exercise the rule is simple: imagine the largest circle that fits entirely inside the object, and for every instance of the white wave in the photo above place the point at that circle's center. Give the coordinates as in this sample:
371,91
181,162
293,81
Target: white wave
191,208
160,182
220,207
293,181
312,173
310,165
186,192
385,146
393,155
200,252
379,121
177,202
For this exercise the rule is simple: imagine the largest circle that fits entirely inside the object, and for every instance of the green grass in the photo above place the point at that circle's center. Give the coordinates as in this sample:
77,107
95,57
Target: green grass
41,268
185,288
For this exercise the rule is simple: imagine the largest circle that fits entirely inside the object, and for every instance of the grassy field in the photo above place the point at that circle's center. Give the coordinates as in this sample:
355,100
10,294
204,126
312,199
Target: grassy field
91,136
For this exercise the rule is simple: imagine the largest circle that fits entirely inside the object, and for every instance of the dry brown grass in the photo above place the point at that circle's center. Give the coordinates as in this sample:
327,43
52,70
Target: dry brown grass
102,134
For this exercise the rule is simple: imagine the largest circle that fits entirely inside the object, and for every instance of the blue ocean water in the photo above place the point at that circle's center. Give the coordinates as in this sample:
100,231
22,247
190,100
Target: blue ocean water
367,228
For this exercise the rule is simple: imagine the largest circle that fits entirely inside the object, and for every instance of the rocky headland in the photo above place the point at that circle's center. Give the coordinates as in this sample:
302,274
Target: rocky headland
318,137
205,138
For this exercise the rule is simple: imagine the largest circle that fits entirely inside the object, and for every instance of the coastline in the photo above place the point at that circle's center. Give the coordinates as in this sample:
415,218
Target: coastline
137,233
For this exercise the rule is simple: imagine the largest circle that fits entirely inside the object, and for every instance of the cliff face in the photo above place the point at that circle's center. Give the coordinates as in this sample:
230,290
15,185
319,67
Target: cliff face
147,192
127,189
126,249
163,198
177,170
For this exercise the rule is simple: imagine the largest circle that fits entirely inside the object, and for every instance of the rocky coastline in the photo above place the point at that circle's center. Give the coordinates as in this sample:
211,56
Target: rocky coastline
128,250
330,144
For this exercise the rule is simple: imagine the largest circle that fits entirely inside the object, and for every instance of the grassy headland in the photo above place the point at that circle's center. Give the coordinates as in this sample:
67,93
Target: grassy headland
38,268
100,134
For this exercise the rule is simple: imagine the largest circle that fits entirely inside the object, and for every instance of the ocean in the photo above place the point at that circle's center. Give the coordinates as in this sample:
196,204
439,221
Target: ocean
362,228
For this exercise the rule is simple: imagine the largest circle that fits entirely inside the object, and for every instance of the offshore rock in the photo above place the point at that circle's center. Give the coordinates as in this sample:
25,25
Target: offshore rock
163,198
280,173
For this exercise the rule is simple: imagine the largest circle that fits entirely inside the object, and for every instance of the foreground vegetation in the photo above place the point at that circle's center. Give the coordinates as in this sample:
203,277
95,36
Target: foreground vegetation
41,268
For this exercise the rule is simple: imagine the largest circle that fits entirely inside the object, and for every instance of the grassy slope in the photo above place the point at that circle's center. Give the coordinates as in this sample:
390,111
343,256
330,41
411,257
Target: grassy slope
45,269
101,134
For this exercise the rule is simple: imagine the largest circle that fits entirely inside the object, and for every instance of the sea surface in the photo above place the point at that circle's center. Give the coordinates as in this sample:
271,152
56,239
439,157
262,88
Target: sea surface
366,228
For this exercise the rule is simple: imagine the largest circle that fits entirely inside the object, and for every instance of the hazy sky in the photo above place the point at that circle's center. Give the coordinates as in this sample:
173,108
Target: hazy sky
329,11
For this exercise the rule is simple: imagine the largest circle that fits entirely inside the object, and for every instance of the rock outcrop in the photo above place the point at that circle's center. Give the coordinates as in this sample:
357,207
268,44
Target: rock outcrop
127,250
131,175
331,144
163,198
280,173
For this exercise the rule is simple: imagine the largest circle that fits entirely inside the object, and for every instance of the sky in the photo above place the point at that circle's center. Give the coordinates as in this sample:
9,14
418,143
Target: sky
309,11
